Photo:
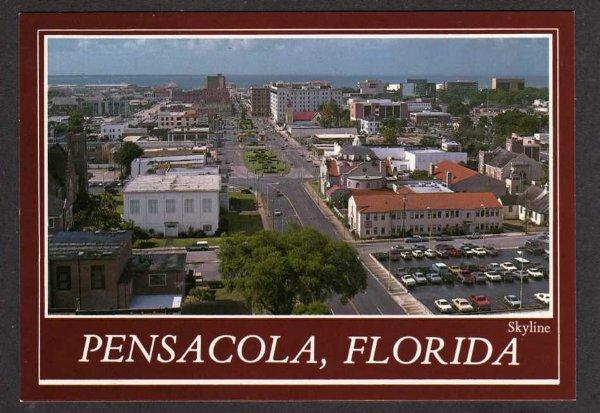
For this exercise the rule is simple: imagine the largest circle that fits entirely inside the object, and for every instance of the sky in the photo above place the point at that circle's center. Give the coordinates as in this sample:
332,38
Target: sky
253,56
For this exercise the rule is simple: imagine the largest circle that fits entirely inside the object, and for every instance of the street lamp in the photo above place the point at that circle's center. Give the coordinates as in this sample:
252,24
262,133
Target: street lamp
429,225
483,231
521,278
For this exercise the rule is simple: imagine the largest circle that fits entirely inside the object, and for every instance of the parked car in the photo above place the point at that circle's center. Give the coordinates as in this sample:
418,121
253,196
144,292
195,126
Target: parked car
433,278
467,252
507,276
455,252
443,271
480,302
443,306
418,254
475,235
521,275
465,277
454,269
491,250
442,253
479,276
419,278
443,238
480,252
429,253
406,255
493,276
508,266
543,298
408,281
536,273
462,305
198,246
512,301
414,238
493,266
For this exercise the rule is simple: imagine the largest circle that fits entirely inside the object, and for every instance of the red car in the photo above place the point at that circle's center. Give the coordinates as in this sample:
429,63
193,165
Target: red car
465,277
455,252
480,302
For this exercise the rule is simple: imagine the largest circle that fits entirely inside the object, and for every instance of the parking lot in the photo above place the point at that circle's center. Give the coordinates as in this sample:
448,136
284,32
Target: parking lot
495,291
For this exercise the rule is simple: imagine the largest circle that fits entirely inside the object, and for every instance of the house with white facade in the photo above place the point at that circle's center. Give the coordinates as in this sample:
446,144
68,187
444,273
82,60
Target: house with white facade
306,96
173,203
420,159
113,131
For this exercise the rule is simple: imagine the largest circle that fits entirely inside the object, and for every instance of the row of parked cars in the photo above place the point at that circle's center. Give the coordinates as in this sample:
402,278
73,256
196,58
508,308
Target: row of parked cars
480,302
470,274
440,251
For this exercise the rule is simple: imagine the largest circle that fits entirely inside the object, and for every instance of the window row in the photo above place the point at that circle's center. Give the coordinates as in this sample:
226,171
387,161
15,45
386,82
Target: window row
189,206
433,214
97,278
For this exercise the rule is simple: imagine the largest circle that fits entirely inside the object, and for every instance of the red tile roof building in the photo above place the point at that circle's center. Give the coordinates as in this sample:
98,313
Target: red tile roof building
381,213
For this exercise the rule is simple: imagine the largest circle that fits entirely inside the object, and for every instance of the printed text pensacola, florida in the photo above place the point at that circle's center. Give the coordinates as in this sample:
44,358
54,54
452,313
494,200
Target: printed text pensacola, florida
272,349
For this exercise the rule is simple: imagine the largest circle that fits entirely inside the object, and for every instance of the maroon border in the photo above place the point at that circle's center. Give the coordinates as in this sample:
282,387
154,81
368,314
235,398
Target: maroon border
347,22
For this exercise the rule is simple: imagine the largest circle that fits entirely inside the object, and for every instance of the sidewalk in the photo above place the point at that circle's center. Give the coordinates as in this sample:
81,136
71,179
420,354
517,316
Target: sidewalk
342,231
395,289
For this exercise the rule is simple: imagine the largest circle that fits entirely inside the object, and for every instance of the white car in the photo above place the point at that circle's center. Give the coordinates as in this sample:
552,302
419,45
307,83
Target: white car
406,255
419,278
480,252
543,298
494,266
443,306
535,273
429,253
512,301
418,254
277,213
508,266
462,305
408,280
493,276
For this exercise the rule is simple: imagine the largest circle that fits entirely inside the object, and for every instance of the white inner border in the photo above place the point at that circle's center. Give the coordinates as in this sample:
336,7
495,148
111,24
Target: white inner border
43,227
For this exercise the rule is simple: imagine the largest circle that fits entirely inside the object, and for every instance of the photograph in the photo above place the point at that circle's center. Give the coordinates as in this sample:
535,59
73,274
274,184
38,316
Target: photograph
304,175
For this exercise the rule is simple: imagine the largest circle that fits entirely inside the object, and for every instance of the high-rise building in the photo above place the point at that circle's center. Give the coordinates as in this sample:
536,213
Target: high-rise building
260,101
508,83
306,96
460,85
420,88
372,87
215,82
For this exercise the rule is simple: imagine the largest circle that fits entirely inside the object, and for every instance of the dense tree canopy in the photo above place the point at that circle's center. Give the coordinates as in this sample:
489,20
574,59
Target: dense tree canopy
126,154
332,116
75,124
96,212
275,272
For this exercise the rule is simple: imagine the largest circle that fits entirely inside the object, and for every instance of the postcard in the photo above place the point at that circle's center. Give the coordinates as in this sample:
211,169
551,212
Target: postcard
297,206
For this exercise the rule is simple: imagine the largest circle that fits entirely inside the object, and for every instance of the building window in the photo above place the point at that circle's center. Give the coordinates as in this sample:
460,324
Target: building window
50,223
207,205
207,228
63,278
153,206
188,206
97,277
157,280
134,206
170,206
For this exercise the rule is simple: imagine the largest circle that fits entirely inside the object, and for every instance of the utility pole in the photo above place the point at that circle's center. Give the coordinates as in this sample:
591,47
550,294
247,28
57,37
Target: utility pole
521,278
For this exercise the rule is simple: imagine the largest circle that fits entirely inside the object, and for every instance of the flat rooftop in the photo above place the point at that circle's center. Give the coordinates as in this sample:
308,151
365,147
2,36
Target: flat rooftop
67,245
174,183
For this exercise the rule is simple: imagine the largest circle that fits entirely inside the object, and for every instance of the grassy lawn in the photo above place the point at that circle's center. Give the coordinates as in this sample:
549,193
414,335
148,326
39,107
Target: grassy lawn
246,124
239,201
247,222
119,200
263,160
174,242
223,294
315,186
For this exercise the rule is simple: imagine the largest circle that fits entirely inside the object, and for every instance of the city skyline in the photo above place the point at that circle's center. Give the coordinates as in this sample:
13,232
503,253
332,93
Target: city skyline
327,56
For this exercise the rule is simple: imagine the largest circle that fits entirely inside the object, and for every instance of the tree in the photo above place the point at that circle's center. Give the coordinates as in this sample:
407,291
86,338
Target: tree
315,308
126,154
96,212
75,124
428,140
274,272
389,136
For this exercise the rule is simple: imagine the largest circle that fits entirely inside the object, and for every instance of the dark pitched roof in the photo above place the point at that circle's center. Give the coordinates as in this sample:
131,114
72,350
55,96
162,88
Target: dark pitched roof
501,157
536,199
67,245
349,149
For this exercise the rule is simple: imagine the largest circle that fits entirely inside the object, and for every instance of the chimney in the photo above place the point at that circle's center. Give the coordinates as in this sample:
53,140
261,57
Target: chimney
431,169
448,178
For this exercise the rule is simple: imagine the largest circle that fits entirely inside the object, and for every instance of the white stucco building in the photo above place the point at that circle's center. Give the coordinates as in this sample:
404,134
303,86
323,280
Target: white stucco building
173,203
301,97
420,159
113,131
